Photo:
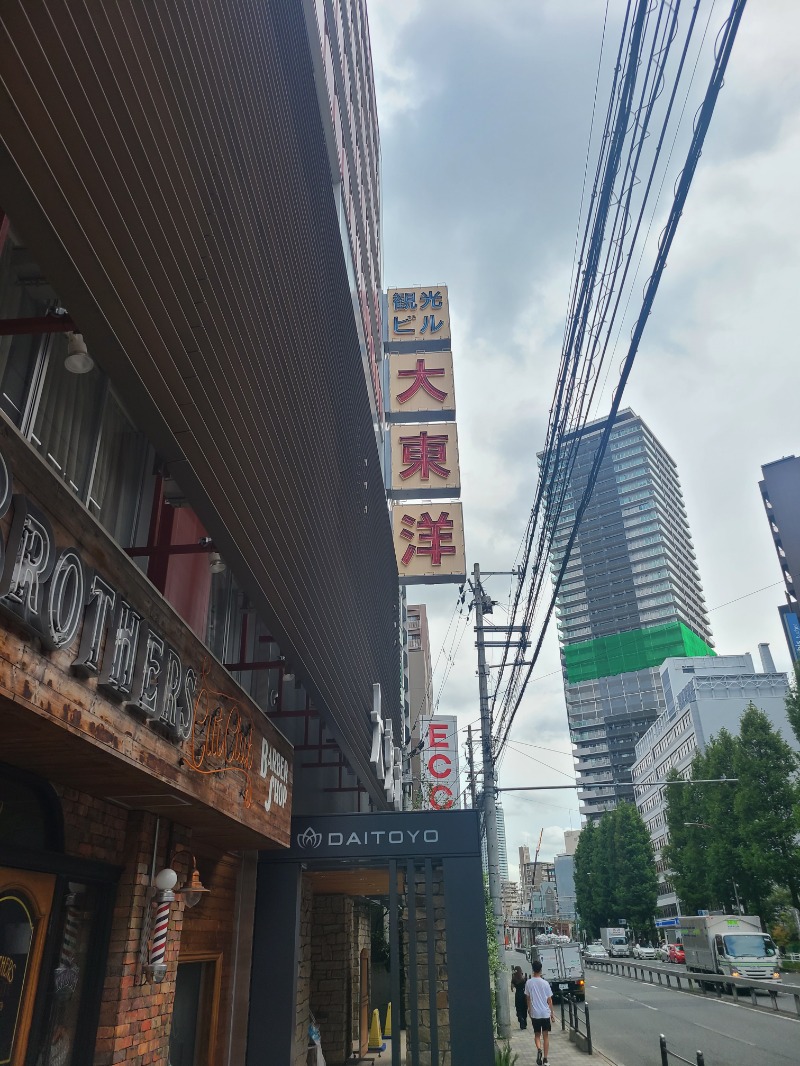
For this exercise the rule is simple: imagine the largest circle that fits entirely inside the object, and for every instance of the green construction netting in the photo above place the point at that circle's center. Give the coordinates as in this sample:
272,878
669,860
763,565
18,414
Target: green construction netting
634,650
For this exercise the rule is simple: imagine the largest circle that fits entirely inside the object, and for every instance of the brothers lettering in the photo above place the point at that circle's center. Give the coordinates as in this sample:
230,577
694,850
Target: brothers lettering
54,594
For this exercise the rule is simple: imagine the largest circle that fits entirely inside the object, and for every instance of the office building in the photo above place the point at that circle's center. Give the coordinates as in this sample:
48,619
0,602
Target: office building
630,598
199,634
780,492
702,695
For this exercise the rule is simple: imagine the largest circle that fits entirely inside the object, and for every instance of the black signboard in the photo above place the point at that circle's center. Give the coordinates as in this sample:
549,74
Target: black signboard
16,937
381,835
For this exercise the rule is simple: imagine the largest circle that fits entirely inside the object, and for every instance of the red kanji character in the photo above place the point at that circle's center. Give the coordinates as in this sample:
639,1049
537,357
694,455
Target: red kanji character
424,454
422,376
435,540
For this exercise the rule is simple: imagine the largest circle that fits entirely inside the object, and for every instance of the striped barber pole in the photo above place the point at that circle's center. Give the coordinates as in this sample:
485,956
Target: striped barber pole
69,942
159,945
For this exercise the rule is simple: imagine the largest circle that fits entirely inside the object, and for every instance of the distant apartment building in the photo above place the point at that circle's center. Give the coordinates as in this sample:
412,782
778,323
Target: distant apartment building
780,492
565,885
502,848
571,840
509,897
630,598
702,695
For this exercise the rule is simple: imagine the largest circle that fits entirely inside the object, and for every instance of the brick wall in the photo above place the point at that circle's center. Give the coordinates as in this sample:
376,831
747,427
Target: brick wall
331,976
415,909
135,1015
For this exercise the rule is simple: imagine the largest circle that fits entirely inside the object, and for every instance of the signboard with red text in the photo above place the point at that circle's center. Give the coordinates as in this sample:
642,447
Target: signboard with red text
425,461
421,387
439,763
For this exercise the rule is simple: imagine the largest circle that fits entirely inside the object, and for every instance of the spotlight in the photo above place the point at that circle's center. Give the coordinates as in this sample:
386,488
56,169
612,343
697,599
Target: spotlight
78,360
216,562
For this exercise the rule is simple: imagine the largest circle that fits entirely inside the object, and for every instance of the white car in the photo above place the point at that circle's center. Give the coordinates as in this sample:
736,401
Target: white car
663,951
645,951
595,951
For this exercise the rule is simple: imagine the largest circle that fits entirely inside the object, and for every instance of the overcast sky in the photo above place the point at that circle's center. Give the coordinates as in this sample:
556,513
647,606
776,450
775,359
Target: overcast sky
484,115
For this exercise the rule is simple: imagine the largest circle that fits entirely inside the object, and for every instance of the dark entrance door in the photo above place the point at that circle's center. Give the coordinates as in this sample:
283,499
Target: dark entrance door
193,1013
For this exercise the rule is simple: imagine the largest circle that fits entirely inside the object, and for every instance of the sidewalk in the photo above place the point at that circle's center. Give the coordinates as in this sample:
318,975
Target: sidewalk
562,1052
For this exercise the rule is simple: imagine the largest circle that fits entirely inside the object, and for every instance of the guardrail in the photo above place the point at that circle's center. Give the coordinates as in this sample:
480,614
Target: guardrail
666,1055
576,1008
700,981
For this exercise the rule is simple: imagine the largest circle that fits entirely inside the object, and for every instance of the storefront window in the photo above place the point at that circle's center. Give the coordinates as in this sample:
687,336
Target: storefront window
22,295
114,494
74,419
67,421
66,982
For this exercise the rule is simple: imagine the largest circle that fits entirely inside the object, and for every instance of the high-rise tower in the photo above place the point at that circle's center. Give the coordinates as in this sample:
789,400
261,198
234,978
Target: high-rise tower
780,491
631,597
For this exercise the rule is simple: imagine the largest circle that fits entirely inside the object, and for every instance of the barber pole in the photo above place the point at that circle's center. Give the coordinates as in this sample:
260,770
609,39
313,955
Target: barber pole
165,882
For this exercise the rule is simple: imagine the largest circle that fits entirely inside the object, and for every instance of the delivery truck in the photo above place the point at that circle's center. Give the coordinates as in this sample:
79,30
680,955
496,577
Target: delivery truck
615,942
562,966
731,945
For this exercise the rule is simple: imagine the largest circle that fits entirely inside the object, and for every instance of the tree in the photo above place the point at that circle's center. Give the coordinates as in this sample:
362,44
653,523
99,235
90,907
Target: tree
685,854
585,889
793,703
636,882
728,835
766,807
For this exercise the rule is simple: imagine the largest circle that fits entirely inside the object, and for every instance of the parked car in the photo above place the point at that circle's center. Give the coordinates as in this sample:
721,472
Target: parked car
676,953
663,951
645,951
595,951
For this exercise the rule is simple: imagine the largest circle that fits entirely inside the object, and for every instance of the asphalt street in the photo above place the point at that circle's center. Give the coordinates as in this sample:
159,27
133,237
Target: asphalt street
628,1016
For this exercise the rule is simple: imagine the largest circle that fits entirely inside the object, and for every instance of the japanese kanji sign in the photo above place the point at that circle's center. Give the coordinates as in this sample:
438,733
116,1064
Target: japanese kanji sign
429,543
421,387
419,316
425,461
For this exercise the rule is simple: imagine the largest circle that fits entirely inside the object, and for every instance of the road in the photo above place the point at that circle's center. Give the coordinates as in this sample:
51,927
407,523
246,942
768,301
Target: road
628,1016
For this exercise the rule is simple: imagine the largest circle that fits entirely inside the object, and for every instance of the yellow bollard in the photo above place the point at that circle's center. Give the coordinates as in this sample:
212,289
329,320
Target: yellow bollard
375,1039
387,1031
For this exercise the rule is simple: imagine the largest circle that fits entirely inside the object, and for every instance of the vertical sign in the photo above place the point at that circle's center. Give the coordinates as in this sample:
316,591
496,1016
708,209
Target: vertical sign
418,316
439,762
423,451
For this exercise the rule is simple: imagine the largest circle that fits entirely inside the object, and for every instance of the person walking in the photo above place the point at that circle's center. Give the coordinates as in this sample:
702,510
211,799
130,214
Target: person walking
520,999
539,996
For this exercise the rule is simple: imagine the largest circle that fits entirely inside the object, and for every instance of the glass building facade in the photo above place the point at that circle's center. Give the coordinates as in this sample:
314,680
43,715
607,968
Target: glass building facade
630,598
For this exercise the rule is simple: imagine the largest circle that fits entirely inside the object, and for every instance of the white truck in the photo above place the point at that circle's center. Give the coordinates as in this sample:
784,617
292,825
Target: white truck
729,944
615,942
562,966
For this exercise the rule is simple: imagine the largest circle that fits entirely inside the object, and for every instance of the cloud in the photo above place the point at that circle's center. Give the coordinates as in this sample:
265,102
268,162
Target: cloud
485,112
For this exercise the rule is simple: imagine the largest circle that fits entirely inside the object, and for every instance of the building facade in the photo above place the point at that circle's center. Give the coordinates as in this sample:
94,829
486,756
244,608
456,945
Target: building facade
780,493
199,631
702,696
630,598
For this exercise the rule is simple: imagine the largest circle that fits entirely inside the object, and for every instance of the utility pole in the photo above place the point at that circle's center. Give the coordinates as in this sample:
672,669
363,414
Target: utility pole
471,768
482,601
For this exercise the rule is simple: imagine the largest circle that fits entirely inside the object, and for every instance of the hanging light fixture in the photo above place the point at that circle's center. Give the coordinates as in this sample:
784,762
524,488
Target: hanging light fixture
216,563
195,890
78,360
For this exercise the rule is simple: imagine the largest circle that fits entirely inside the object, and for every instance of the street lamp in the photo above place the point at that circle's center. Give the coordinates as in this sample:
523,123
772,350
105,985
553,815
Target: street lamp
736,894
702,825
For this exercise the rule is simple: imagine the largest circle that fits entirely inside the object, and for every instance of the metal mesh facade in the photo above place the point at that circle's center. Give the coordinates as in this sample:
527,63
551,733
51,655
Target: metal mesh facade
635,650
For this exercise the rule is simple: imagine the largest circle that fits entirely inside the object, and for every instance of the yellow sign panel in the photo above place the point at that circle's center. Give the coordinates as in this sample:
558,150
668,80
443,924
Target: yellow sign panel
429,543
419,316
425,460
421,386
